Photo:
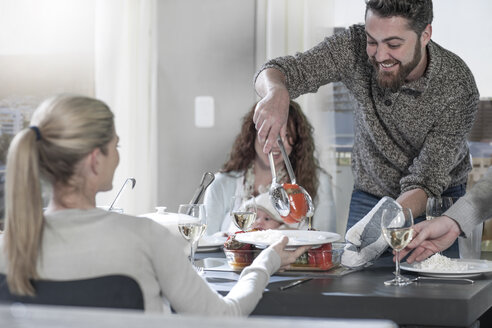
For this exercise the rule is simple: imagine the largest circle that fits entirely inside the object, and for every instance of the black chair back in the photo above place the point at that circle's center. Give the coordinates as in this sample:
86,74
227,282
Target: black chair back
113,291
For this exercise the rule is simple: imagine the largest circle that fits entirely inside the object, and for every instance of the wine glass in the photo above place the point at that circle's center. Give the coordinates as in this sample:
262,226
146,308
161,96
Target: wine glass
436,206
397,228
243,212
192,223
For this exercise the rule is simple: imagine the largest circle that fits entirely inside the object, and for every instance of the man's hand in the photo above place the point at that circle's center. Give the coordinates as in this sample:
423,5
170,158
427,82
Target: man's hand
432,236
415,199
272,111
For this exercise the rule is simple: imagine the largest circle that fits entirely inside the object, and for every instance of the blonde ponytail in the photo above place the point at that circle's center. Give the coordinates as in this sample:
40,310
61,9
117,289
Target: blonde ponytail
24,210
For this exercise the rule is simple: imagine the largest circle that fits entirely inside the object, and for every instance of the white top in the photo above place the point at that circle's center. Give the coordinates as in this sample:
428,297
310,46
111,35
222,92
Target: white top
218,197
80,244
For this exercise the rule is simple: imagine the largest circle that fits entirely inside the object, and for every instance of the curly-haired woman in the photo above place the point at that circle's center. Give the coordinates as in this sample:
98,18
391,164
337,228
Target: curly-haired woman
247,172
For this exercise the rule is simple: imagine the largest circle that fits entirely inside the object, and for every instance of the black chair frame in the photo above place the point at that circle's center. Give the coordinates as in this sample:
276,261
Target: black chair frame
112,291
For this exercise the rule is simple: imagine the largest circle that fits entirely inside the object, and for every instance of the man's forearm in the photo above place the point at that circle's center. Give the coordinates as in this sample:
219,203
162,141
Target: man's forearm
268,80
415,199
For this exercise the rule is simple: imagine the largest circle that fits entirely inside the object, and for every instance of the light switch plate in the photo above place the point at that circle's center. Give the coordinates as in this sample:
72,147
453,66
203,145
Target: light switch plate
204,111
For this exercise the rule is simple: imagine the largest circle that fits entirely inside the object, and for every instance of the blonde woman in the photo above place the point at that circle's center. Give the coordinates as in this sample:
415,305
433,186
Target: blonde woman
72,143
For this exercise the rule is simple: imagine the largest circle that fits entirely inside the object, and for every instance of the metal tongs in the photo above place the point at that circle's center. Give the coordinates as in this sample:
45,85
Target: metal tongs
278,195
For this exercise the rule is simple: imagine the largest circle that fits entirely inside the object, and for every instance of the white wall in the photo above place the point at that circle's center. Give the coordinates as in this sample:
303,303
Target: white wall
464,27
205,48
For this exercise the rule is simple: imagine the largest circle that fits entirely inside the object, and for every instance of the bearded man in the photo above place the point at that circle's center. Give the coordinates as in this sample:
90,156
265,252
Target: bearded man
416,102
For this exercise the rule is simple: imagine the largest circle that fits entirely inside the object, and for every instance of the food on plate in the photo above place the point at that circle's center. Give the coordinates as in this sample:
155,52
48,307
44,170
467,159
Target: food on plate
232,244
298,204
320,258
239,255
438,262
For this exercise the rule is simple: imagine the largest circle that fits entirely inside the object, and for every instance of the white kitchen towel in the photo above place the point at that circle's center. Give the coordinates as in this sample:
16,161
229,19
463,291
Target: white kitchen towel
365,240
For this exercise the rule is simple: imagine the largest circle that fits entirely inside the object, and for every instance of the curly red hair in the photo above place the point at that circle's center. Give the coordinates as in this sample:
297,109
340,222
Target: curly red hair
302,157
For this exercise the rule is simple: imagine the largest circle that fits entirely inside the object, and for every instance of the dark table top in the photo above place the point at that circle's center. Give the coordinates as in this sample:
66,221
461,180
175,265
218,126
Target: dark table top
362,294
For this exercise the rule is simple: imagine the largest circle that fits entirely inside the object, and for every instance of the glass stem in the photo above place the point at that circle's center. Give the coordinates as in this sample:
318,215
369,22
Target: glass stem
192,253
397,264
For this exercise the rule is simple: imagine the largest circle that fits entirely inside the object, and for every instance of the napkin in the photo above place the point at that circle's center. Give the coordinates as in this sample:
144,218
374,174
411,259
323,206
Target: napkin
365,240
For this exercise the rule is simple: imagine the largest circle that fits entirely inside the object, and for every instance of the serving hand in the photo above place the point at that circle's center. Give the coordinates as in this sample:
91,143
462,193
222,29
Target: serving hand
271,112
288,257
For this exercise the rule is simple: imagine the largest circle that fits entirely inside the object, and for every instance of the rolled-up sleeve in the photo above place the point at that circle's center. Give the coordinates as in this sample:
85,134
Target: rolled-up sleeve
327,62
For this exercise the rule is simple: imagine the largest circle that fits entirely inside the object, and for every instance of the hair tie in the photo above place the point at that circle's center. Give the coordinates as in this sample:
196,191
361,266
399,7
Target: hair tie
38,133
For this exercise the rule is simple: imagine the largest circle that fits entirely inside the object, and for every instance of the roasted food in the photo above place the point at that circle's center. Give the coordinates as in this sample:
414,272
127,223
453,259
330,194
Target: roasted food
239,255
320,258
232,243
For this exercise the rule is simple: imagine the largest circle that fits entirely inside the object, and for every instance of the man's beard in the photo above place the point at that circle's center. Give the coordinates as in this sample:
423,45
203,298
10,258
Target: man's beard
394,80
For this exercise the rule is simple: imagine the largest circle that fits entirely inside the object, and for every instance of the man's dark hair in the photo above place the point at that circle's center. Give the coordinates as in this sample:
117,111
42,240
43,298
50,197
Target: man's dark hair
418,12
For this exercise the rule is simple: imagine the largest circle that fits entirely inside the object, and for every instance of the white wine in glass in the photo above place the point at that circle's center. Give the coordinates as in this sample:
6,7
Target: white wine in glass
398,238
243,212
192,223
397,228
192,231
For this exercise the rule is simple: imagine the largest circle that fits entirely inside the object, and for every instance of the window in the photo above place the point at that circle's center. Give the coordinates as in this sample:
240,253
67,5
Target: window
47,48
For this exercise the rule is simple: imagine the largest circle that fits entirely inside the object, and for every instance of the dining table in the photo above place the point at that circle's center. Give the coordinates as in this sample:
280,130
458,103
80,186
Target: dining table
362,294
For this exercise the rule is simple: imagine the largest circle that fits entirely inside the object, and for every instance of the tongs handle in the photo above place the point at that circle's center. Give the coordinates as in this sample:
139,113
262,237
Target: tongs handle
272,168
133,182
207,179
286,160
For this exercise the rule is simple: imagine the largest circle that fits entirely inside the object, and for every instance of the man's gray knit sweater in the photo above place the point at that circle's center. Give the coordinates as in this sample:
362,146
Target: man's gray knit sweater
412,138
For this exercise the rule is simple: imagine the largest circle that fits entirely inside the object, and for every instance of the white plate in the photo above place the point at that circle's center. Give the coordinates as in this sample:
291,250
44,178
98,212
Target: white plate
296,237
475,268
211,241
207,249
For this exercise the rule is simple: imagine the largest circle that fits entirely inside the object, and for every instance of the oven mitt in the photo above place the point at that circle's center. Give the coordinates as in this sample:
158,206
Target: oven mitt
365,240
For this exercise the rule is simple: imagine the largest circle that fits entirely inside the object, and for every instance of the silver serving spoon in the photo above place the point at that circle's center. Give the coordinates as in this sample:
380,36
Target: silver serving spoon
278,195
127,181
292,177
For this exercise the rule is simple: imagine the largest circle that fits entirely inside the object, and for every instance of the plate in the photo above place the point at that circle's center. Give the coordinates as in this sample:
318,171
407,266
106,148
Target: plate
296,237
475,268
211,242
207,249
